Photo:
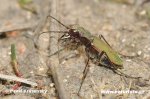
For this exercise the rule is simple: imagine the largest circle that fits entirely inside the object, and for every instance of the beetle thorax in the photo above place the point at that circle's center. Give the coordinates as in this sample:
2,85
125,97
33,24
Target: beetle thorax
73,33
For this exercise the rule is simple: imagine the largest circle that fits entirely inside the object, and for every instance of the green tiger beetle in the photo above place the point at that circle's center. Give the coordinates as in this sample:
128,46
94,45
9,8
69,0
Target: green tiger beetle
97,49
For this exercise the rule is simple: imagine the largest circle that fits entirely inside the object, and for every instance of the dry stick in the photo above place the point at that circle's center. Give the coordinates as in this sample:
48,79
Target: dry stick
56,52
54,62
18,27
18,79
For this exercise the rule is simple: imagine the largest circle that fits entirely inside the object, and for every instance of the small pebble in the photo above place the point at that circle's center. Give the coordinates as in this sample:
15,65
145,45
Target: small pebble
52,85
123,40
139,52
142,12
128,60
68,76
30,33
63,62
31,72
9,53
65,80
41,69
133,45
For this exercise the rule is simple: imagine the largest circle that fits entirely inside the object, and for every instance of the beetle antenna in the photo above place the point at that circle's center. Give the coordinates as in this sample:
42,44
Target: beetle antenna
58,22
54,32
45,33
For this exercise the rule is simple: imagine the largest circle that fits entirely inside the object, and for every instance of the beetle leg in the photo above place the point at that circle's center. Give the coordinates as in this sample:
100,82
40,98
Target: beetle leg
84,75
56,52
123,74
115,70
85,71
128,56
101,54
76,46
102,37
110,66
49,16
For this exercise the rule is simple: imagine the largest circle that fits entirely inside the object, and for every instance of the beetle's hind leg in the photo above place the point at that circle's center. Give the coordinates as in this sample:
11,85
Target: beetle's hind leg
128,56
85,71
104,61
116,71
125,56
102,37
123,74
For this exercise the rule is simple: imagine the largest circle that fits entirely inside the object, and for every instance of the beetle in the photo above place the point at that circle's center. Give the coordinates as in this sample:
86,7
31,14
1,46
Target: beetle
97,48
100,52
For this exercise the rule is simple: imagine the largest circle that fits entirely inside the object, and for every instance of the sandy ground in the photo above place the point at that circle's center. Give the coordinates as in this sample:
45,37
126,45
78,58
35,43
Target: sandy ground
124,25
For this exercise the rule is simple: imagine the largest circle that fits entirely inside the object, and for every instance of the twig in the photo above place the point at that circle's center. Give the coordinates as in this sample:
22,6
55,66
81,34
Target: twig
14,61
18,27
18,79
